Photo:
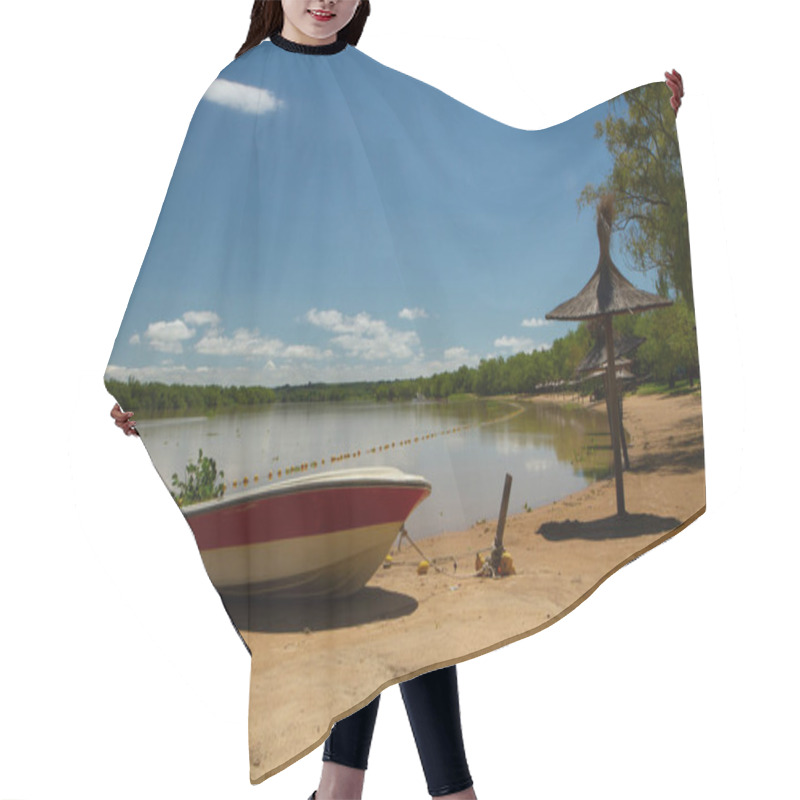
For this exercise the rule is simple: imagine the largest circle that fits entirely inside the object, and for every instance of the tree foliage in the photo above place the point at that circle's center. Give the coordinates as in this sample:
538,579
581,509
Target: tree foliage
153,399
669,351
647,183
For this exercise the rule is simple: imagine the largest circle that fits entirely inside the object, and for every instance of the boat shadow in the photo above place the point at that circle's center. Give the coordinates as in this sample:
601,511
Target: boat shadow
613,527
270,614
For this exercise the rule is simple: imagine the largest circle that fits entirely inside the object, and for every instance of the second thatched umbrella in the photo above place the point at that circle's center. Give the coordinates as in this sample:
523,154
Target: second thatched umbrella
597,356
608,293
595,366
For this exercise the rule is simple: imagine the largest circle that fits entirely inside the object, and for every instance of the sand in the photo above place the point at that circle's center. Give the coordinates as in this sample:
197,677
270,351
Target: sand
402,624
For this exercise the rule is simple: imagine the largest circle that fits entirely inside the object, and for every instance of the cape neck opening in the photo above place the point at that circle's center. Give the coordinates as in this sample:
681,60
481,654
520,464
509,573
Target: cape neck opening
308,49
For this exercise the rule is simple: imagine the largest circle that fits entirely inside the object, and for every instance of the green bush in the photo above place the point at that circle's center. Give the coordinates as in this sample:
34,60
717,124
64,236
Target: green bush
200,482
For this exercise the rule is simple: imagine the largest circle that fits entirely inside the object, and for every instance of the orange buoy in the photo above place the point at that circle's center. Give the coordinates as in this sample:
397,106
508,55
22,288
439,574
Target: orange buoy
506,564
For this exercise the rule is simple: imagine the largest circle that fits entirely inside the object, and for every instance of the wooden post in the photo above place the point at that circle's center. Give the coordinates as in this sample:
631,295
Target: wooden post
497,553
608,404
613,414
625,458
621,429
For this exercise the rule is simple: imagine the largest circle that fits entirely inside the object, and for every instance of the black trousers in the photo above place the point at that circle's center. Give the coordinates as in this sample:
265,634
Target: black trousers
431,701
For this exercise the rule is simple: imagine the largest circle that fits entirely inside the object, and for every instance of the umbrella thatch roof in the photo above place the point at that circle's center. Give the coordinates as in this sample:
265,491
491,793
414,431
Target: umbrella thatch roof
607,292
597,356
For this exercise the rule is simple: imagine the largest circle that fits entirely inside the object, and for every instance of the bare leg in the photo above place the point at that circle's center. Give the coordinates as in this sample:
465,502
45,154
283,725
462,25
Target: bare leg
345,783
339,782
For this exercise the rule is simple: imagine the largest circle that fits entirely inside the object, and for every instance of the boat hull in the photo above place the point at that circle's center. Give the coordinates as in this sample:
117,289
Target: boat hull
323,535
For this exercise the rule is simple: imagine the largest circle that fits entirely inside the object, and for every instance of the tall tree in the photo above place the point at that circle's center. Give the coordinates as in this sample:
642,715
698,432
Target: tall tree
670,349
647,182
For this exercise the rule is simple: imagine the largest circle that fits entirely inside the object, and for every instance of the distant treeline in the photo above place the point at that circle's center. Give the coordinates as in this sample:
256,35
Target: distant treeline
151,398
670,352
519,373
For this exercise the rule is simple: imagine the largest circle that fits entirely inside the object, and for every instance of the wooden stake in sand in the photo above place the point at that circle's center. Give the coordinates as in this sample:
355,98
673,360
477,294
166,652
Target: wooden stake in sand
608,293
497,553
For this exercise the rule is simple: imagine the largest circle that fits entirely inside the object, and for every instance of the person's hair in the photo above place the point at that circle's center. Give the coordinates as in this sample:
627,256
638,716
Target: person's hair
266,19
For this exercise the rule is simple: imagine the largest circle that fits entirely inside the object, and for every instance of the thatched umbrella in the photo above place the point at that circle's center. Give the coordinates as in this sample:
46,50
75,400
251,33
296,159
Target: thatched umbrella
596,358
607,294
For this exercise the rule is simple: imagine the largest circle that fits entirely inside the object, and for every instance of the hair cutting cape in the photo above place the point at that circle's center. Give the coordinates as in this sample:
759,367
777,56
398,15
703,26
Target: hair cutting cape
338,346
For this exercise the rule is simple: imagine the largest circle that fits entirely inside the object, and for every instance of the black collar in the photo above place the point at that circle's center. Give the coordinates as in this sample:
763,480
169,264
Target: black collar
308,49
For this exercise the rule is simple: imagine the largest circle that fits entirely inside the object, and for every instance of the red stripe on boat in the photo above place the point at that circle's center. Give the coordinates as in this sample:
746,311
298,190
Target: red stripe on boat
305,513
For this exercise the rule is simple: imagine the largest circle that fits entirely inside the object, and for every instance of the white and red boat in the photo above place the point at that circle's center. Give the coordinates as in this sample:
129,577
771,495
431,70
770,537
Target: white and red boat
317,535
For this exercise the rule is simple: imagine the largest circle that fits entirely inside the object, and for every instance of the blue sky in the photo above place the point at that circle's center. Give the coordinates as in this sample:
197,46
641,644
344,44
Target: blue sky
330,219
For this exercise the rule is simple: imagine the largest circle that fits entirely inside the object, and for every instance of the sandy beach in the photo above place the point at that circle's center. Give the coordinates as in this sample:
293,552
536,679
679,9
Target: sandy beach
402,624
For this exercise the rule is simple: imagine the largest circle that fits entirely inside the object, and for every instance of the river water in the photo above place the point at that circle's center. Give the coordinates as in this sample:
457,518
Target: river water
463,449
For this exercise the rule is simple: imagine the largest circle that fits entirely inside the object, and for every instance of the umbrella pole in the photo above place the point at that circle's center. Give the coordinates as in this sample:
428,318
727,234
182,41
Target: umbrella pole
613,414
621,429
608,402
625,458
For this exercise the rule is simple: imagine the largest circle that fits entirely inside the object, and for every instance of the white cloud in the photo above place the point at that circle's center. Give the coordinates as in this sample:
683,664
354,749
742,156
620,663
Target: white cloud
242,343
534,322
514,343
241,97
454,357
201,318
361,336
329,320
460,354
177,373
168,337
305,351
413,313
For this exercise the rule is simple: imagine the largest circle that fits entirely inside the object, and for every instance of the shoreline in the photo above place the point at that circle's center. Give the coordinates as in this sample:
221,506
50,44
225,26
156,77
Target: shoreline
403,624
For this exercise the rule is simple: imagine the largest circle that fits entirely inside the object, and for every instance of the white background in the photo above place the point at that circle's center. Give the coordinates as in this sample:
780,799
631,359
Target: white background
120,675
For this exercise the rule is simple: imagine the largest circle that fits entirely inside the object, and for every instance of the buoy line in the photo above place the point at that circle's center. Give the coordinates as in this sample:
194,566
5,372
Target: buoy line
518,410
307,466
